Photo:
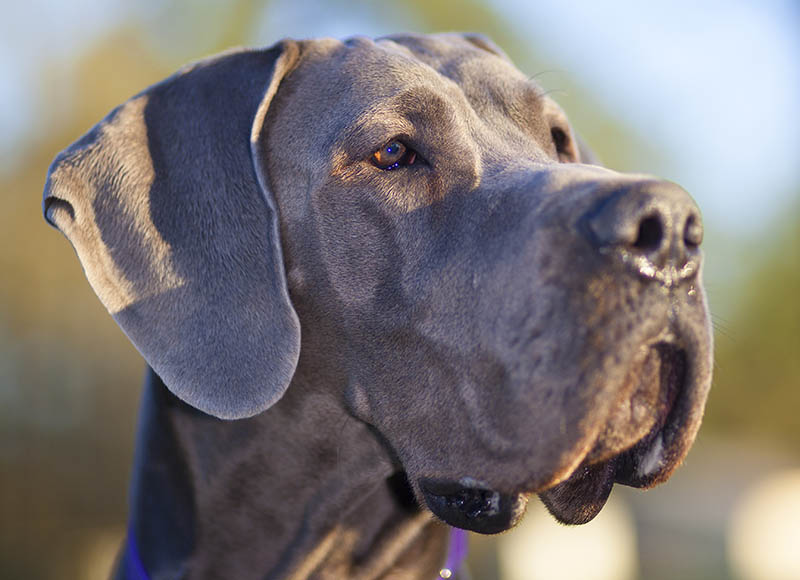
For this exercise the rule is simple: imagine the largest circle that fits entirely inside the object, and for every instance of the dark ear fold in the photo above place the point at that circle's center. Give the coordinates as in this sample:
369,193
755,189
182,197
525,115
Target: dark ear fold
485,43
178,233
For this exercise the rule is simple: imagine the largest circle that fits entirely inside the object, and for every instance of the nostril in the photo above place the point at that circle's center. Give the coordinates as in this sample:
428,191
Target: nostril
693,232
653,228
650,234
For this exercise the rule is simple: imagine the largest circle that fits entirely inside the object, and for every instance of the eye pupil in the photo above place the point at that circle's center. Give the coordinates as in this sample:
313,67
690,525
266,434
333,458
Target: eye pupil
393,155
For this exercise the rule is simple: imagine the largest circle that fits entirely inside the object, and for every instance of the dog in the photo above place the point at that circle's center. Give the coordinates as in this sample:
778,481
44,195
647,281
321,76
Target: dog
375,280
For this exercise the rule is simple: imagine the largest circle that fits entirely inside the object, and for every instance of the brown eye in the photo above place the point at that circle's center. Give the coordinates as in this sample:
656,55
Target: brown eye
393,155
565,148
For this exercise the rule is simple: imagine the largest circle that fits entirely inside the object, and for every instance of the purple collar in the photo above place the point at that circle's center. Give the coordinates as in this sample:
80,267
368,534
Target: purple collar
134,569
456,553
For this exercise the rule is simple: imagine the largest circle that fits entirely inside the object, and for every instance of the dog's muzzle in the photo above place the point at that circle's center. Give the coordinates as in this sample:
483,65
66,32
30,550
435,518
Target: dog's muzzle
634,453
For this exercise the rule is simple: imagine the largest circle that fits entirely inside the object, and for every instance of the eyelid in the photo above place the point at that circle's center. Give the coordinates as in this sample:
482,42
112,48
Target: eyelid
361,138
403,138
417,144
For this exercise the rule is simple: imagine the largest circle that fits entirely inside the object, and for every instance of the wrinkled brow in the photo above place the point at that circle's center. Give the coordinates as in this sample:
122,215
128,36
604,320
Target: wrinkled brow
520,101
410,115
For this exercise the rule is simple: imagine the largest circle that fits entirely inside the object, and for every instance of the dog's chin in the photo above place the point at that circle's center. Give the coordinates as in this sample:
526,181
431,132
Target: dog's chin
468,505
640,455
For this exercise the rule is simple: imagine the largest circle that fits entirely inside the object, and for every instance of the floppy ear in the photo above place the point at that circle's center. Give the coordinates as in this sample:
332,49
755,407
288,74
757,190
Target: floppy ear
177,232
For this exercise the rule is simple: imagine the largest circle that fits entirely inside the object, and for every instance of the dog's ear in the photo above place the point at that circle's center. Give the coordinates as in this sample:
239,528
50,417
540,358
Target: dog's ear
485,43
175,227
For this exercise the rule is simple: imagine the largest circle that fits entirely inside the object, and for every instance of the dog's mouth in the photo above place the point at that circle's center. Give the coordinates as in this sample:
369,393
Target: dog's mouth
646,437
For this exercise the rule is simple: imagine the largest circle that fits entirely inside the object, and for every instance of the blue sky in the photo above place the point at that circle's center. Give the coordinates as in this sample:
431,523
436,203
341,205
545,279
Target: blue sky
715,82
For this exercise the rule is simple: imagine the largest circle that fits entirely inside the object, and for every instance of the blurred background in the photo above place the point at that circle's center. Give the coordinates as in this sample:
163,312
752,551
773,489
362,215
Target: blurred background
706,94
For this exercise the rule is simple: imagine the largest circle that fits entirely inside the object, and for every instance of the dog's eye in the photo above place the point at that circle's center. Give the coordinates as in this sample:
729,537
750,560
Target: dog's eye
565,148
393,155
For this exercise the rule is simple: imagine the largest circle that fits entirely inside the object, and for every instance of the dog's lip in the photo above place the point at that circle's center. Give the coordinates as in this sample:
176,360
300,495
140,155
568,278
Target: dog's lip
580,496
649,460
654,456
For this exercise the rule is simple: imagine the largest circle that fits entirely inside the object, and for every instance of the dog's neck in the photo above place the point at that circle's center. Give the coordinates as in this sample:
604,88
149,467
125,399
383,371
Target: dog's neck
214,498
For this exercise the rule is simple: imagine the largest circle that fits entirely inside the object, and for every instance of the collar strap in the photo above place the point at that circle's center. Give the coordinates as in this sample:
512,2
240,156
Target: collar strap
134,569
456,554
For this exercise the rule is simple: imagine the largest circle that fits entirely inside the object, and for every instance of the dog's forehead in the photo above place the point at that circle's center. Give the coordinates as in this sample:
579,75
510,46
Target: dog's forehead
373,69
401,85
454,56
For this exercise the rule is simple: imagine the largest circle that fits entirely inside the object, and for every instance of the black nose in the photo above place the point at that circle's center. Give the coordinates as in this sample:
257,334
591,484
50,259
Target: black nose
654,226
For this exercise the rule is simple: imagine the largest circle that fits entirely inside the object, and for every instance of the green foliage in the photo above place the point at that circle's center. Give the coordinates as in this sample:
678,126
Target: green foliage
756,389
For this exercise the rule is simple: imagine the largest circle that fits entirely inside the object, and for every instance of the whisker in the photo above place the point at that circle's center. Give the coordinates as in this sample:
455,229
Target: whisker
562,92
547,72
723,327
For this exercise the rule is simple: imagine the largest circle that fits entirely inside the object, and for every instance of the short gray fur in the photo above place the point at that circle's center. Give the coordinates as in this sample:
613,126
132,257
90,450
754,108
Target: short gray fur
337,348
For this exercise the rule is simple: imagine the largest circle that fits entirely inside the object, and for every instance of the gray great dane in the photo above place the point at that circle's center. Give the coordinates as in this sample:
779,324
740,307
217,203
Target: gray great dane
375,280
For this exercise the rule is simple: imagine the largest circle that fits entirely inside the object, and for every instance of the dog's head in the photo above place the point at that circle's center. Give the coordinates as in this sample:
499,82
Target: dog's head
508,318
